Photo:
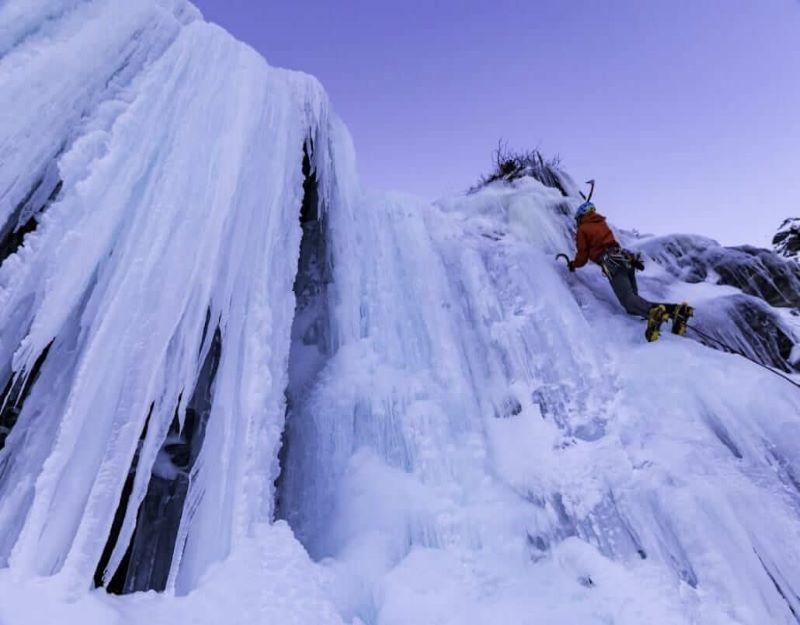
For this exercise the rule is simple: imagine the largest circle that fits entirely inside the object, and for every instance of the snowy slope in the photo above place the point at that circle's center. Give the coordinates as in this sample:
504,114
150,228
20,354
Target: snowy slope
514,437
472,434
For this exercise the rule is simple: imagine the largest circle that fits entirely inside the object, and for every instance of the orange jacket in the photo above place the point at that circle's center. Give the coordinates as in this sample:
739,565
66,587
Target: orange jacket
592,239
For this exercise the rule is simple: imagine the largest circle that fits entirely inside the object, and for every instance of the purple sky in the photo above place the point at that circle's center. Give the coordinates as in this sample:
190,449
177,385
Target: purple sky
687,112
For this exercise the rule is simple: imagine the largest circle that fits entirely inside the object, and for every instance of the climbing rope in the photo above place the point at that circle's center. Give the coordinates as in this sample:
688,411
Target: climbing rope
723,346
731,350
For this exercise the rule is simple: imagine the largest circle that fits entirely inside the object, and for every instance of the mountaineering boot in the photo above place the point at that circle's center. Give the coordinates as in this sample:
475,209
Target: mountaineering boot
658,315
680,317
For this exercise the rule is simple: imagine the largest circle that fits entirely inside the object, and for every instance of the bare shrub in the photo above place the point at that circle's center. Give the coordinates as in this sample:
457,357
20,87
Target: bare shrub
511,164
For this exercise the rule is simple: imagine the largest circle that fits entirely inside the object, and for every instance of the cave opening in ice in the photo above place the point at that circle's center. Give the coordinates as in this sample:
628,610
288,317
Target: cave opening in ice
310,344
149,555
153,547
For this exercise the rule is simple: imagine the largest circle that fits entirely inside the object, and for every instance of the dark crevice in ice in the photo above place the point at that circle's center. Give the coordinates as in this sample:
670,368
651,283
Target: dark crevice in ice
148,559
310,349
161,510
722,434
24,219
115,585
204,335
793,603
672,550
16,391
309,208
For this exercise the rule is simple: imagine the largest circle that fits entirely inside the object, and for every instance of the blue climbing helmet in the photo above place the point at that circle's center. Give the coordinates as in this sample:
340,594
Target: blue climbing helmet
584,209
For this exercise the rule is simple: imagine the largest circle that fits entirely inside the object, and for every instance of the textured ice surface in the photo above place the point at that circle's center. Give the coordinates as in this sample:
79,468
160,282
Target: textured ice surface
473,435
486,411
177,222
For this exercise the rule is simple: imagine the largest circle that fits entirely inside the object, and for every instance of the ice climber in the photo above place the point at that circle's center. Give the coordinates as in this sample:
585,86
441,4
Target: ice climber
595,241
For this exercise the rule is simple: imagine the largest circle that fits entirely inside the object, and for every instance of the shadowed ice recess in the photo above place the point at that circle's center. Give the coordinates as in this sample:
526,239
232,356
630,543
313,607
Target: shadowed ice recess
231,375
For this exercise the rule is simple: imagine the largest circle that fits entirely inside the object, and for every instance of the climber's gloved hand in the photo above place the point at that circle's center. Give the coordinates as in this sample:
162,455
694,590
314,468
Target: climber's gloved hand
571,266
637,262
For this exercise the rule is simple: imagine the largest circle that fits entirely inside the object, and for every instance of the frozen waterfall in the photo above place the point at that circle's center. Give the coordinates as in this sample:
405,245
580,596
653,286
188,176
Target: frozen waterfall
232,376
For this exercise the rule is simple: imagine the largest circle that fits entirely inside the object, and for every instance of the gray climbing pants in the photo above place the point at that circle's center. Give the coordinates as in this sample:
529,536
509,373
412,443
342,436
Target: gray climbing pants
623,281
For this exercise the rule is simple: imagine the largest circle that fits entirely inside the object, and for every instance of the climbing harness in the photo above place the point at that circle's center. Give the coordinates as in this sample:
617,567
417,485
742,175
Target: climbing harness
615,257
731,350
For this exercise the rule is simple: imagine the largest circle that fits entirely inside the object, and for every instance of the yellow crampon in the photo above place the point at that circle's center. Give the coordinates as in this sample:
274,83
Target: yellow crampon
680,317
658,315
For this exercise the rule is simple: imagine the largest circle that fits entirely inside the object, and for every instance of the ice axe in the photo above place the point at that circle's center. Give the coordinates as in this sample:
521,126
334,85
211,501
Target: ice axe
570,266
591,191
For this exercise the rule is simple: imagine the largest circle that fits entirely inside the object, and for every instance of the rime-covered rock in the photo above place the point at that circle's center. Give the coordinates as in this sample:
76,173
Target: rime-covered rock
787,240
762,318
755,271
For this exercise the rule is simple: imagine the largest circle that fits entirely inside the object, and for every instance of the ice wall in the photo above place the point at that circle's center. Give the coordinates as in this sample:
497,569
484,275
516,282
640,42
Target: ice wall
491,435
147,312
473,435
